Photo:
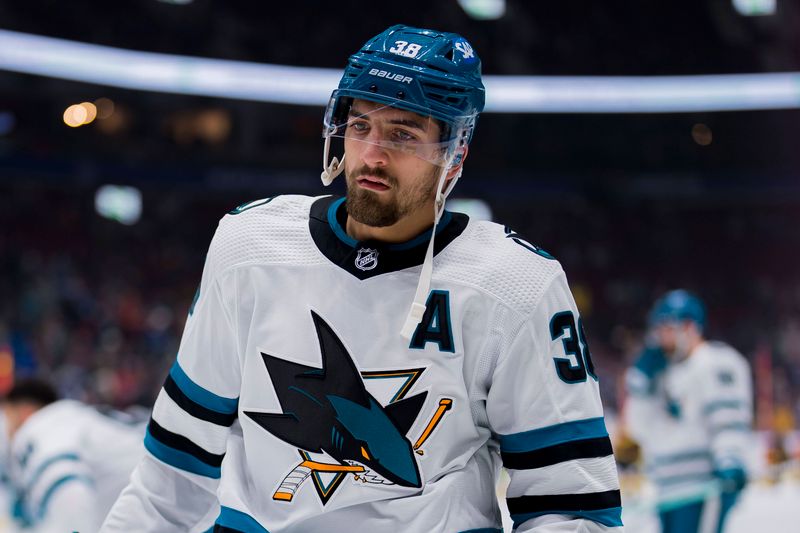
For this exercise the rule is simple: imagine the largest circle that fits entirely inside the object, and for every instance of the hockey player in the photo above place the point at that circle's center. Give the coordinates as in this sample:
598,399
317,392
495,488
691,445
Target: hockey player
308,398
68,462
689,406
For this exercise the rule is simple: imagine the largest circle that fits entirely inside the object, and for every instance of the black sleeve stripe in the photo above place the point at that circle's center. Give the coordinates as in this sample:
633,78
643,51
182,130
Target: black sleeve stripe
182,444
592,501
194,408
566,451
222,529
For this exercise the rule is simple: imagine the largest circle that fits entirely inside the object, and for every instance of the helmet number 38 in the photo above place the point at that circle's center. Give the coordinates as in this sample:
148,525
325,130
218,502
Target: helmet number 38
406,49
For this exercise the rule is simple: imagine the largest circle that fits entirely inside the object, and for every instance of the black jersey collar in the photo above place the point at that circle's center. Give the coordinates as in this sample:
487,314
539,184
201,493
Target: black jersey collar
366,259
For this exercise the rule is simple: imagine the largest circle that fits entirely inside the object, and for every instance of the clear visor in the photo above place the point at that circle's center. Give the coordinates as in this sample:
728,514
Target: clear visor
390,128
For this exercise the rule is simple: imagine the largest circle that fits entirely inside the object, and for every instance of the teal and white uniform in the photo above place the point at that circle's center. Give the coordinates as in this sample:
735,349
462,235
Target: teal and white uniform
693,421
68,464
295,402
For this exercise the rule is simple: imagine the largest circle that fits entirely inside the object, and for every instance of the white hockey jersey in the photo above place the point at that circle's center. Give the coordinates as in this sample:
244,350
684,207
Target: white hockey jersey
296,401
694,419
69,463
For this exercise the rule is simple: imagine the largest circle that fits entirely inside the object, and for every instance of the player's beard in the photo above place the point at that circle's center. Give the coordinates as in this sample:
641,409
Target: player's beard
370,208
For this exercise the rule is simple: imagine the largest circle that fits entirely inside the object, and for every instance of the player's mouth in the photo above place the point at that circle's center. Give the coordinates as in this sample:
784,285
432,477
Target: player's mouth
372,183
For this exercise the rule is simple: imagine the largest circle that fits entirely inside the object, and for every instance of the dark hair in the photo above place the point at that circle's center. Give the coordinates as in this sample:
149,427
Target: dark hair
32,390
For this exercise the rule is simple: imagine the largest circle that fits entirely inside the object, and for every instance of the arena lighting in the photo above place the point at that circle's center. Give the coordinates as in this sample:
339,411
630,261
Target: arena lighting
79,114
120,203
484,9
75,115
702,134
57,58
755,8
91,111
105,107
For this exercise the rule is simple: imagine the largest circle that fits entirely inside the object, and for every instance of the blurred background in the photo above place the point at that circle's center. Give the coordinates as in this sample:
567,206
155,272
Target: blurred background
110,191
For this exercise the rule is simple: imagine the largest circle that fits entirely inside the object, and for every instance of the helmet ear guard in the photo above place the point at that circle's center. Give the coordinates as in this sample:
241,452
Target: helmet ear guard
461,150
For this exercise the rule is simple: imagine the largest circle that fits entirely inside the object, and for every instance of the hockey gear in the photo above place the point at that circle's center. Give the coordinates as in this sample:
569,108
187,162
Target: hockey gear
731,479
426,72
677,306
651,362
485,331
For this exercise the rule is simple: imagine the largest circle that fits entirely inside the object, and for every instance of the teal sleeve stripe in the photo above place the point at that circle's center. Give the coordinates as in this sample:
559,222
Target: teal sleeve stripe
201,396
238,520
179,459
611,517
536,439
47,463
60,482
722,404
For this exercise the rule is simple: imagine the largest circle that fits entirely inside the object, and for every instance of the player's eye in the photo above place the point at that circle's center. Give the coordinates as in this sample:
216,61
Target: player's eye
358,126
365,454
403,136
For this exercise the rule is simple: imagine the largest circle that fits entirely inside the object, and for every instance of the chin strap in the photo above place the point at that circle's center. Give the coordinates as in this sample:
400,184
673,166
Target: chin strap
332,169
417,310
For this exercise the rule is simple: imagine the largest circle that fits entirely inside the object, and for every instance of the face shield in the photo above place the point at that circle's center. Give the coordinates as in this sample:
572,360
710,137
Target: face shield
392,127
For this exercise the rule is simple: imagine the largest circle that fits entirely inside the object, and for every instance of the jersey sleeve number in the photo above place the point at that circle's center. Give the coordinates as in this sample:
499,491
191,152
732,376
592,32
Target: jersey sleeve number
578,361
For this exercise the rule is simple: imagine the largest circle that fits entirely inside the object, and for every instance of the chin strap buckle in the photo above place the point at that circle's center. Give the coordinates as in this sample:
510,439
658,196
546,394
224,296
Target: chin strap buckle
332,169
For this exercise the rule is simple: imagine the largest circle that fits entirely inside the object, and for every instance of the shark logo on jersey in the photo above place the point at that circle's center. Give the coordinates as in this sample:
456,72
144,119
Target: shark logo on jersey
366,259
329,411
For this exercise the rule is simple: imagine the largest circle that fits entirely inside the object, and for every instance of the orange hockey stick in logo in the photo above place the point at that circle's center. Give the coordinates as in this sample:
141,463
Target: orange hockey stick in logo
444,405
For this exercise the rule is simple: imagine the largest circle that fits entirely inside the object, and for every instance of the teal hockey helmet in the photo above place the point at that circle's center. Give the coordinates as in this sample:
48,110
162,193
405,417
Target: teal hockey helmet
676,306
431,73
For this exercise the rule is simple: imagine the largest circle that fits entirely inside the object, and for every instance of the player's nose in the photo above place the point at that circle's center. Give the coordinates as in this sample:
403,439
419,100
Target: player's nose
373,153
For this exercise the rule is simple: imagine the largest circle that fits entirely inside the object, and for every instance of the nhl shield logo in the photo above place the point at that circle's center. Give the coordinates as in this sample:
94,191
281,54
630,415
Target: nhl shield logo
366,259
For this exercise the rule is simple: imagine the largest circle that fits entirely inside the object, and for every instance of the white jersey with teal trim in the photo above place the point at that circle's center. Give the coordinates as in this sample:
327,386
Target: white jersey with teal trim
696,418
295,401
68,464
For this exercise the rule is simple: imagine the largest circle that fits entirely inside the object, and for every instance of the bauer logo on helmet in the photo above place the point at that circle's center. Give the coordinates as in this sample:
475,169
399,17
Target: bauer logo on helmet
390,75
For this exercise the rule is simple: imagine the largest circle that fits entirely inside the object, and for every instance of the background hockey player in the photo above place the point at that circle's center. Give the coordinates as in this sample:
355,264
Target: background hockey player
68,462
689,406
364,363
